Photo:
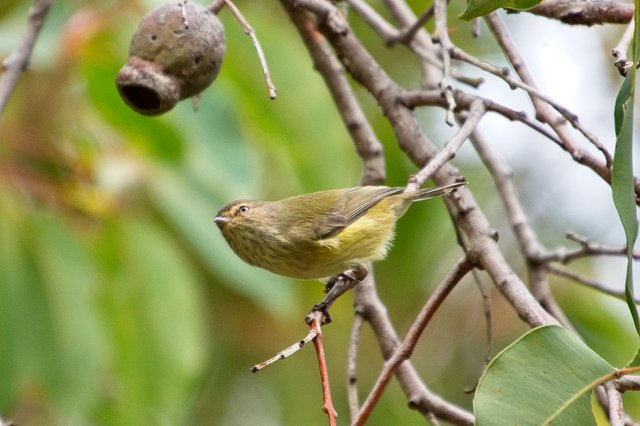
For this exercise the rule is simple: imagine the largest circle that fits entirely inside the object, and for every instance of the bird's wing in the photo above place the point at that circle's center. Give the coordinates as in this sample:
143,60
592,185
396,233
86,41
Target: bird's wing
352,204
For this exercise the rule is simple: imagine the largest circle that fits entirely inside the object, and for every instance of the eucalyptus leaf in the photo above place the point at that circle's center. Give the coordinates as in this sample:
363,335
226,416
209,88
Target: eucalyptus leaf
544,377
622,179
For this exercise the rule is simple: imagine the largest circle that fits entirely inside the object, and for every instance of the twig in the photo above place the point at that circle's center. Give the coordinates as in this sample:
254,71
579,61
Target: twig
421,44
627,383
476,112
620,51
441,36
404,351
587,248
421,41
486,305
530,88
352,357
314,320
420,397
614,396
588,282
527,239
256,44
408,33
543,109
18,60
414,98
285,353
585,12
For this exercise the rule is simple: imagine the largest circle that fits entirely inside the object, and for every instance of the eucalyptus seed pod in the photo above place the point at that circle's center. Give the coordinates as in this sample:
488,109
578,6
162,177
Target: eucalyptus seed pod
175,53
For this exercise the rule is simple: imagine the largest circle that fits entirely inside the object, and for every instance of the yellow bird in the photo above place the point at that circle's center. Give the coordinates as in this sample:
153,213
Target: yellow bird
321,234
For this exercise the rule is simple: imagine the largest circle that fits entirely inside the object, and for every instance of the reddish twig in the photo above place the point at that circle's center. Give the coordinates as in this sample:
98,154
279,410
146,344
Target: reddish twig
314,319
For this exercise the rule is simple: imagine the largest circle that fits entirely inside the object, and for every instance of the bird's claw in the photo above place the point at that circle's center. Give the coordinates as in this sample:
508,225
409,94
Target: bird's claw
336,286
323,308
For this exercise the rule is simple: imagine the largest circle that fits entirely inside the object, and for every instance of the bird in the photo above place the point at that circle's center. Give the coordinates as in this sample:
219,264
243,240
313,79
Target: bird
319,235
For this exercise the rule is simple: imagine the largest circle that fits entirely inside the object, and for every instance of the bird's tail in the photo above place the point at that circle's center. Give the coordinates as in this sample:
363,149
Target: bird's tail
427,193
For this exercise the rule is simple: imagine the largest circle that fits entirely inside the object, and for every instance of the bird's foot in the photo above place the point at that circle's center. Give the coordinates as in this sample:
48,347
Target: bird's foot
336,286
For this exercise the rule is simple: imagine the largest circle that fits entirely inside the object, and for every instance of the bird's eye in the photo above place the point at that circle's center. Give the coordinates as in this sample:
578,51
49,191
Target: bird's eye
243,209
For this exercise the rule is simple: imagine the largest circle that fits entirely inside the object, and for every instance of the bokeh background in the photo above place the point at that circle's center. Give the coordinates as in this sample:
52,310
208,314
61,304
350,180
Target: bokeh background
120,303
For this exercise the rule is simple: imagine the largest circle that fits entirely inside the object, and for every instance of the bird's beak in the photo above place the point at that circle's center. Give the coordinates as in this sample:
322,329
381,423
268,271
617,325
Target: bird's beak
221,220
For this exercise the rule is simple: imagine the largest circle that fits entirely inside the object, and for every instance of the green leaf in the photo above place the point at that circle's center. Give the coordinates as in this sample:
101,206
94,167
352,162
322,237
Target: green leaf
478,8
544,377
622,180
156,325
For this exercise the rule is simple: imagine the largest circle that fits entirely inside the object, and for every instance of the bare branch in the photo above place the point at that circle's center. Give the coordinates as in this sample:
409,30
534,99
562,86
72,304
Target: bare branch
408,33
248,30
420,397
527,239
414,98
587,248
352,356
441,36
620,51
404,351
588,282
583,12
18,60
543,109
616,413
476,112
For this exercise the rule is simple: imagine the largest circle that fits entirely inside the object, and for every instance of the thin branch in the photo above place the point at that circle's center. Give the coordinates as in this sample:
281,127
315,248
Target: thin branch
588,282
587,248
476,112
441,36
420,397
486,305
544,112
627,383
421,40
414,98
408,33
314,320
622,48
587,12
404,351
614,396
18,60
285,353
530,88
527,239
352,358
248,30
420,44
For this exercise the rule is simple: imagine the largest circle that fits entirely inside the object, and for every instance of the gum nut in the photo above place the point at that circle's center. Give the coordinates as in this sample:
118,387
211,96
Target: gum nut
175,53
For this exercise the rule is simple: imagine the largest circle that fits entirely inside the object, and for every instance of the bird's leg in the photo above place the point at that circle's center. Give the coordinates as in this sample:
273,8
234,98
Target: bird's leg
337,286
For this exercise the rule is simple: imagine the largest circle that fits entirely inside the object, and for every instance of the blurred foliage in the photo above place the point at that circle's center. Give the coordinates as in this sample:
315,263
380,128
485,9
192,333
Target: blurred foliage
120,303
